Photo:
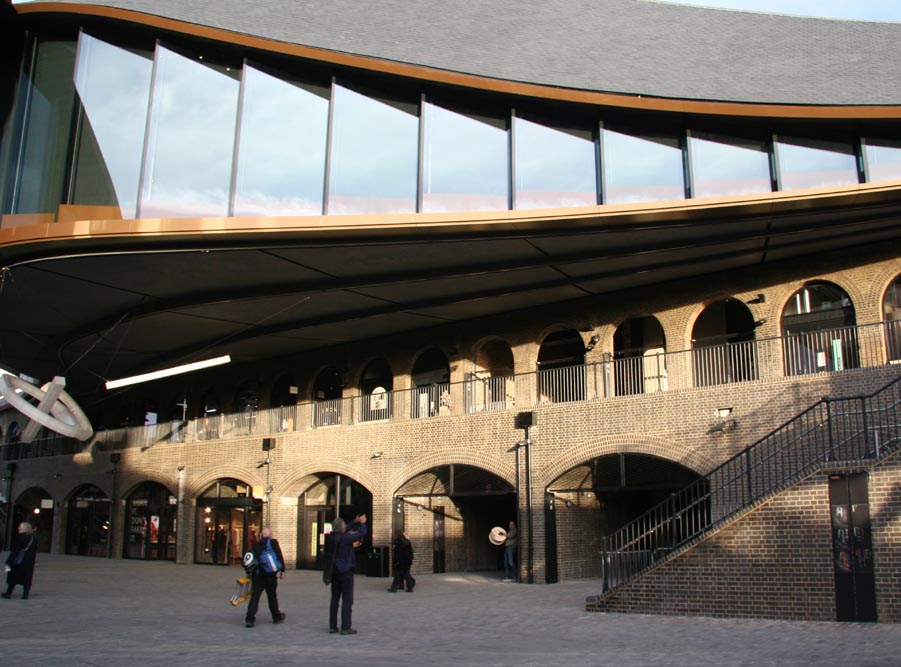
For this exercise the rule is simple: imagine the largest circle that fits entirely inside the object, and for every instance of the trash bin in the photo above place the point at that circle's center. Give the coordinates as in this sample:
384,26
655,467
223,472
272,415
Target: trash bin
378,562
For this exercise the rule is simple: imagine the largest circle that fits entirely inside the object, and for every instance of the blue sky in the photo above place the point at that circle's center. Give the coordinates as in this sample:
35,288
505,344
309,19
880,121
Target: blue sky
870,10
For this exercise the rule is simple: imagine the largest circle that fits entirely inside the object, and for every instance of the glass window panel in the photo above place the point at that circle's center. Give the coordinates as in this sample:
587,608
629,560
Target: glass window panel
188,166
554,167
374,155
48,129
883,159
113,85
639,168
465,162
729,166
281,154
807,163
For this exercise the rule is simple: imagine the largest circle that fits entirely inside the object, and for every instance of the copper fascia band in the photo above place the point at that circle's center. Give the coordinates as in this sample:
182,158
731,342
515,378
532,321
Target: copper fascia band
420,72
438,224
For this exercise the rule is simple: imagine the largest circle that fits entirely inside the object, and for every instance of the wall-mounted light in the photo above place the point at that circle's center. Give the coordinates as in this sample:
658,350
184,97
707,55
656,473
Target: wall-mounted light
760,298
593,342
376,455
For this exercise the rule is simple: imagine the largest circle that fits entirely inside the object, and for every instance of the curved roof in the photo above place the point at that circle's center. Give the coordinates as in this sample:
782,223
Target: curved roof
632,47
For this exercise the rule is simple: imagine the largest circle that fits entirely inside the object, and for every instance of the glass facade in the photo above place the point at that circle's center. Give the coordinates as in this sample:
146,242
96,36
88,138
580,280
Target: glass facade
281,150
724,166
99,123
113,86
809,163
642,167
553,166
374,154
465,158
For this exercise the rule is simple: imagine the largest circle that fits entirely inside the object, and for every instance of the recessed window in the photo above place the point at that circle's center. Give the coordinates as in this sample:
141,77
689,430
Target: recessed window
723,166
641,167
811,163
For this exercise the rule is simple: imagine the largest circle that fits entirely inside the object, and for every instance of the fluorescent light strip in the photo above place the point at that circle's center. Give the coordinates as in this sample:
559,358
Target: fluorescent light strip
175,370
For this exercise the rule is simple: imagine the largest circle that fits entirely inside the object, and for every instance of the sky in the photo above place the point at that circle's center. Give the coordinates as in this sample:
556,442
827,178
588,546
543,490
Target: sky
868,10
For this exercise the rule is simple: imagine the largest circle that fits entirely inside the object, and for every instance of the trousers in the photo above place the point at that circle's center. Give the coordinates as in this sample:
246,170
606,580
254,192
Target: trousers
343,592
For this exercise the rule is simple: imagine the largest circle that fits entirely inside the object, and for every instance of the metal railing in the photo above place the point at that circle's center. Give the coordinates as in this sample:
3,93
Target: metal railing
654,371
857,429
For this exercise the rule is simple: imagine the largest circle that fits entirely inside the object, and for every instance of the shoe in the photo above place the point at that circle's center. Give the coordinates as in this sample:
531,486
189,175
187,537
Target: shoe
24,597
6,596
409,590
281,617
392,590
248,624
349,631
507,580
333,631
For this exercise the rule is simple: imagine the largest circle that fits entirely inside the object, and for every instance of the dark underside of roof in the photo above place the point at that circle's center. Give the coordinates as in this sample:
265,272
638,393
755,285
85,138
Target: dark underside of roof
95,309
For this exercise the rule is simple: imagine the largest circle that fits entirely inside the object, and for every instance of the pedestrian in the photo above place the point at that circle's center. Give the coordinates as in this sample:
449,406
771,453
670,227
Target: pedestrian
401,562
341,545
511,571
20,563
267,567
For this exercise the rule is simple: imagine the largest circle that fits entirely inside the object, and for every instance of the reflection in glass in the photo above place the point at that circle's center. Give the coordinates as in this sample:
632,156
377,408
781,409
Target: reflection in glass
554,167
46,140
728,166
187,170
281,154
640,168
810,163
113,85
465,162
374,155
883,159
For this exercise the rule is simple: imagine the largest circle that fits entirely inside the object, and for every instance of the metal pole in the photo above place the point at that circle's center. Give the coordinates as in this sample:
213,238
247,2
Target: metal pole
518,505
529,557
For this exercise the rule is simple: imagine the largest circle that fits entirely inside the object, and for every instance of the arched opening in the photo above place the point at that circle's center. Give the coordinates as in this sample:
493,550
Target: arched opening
330,495
491,385
819,325
376,387
431,384
328,390
88,522
448,512
639,361
891,318
597,498
209,416
722,342
561,368
150,512
283,405
36,507
247,404
228,524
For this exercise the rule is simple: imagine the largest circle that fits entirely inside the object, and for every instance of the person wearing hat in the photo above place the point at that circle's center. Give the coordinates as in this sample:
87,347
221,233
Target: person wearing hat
511,571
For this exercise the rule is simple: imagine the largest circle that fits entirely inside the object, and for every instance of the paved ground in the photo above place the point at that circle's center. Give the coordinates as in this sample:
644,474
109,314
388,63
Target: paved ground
89,611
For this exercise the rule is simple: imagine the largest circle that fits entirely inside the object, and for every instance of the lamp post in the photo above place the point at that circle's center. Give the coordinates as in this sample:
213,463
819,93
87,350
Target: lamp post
114,459
268,446
524,421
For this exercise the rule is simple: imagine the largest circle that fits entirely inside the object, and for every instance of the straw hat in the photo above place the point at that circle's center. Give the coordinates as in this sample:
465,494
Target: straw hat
497,536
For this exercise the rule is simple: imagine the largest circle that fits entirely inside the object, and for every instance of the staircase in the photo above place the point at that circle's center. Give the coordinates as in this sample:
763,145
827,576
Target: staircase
856,431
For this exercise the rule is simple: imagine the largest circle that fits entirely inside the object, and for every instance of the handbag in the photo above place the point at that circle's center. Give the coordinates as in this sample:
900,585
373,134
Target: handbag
20,557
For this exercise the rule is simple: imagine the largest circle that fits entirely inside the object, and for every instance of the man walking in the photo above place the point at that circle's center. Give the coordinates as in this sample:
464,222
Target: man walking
341,544
511,571
268,569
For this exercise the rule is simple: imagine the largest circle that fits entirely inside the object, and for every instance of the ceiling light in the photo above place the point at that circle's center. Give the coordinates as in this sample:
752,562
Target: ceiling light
175,370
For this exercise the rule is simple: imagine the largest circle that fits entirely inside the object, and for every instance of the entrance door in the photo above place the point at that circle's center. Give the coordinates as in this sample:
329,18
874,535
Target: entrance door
313,531
855,580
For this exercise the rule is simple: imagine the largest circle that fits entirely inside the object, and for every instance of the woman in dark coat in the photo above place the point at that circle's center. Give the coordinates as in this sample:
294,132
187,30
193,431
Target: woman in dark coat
21,572
403,559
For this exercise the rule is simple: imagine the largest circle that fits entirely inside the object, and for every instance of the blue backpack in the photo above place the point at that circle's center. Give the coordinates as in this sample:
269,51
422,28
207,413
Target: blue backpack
269,562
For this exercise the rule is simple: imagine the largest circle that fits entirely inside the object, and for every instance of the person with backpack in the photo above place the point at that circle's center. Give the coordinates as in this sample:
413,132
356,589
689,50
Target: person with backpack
265,567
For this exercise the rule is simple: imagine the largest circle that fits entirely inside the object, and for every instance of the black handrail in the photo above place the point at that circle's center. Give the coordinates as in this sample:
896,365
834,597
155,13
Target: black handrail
858,428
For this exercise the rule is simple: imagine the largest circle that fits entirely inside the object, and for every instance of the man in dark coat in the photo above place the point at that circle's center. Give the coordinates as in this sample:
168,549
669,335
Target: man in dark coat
401,562
20,564
341,544
264,581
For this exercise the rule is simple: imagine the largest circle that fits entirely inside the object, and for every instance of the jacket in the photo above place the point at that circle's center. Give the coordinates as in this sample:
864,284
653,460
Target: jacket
346,558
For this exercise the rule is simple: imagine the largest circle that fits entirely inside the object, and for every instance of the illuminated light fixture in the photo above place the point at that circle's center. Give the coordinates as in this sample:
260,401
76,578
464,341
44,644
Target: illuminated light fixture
175,370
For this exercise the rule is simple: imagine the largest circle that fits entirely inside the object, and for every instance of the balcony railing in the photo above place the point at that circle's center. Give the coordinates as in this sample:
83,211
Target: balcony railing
831,351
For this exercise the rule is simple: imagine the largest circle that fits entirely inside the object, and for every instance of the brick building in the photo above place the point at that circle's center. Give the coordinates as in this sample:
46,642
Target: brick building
466,268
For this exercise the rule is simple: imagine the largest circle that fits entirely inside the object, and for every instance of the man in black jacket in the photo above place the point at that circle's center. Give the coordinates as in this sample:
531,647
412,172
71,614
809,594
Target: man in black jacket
264,581
403,559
